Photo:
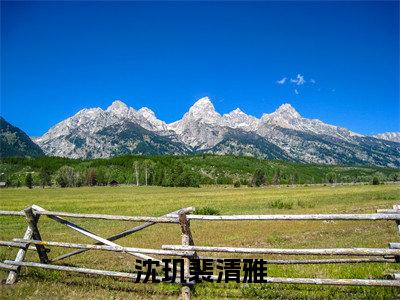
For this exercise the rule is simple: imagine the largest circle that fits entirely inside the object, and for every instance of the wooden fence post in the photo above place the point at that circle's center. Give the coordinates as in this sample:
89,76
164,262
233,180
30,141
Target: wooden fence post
12,276
397,257
187,240
32,222
396,208
32,232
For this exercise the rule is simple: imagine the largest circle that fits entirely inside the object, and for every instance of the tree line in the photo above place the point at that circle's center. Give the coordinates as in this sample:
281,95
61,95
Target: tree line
141,174
180,171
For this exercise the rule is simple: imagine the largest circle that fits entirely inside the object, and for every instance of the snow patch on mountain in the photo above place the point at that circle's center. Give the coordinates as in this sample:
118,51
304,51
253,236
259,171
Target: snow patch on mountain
389,136
238,119
155,123
119,108
202,111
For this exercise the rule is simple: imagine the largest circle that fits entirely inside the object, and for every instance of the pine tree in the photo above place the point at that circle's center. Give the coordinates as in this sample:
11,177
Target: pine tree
29,180
45,178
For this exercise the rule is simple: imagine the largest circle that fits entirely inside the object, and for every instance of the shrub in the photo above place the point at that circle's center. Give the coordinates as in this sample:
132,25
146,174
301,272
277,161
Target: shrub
280,204
236,184
222,179
207,211
244,181
378,178
375,180
187,179
396,177
102,175
258,178
330,177
91,177
79,179
66,177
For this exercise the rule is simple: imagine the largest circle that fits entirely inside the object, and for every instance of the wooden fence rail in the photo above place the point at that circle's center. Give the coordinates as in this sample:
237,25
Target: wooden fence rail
329,251
173,218
32,240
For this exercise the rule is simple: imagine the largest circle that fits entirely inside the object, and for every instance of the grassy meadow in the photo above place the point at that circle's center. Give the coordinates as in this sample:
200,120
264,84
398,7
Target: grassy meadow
156,201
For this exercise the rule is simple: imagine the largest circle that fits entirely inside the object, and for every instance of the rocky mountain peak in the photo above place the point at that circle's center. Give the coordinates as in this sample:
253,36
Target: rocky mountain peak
203,104
153,122
204,110
89,111
147,113
287,111
236,111
284,116
118,107
238,119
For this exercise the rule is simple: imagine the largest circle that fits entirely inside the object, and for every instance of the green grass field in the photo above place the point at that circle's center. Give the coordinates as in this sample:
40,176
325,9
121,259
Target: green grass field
155,201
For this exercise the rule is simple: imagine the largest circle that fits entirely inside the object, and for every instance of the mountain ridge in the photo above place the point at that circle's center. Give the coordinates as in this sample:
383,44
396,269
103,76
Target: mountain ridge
389,136
203,129
15,142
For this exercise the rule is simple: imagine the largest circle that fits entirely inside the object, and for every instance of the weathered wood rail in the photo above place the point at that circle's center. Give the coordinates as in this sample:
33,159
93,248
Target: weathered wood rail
32,240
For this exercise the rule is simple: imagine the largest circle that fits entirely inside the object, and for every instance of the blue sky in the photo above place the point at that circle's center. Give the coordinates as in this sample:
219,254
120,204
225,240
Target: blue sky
59,57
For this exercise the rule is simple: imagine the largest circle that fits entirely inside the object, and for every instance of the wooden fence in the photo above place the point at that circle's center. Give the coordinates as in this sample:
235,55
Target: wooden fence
32,240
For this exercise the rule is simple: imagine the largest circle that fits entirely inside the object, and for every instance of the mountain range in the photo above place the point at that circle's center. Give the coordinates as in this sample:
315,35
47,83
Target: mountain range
283,134
15,142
